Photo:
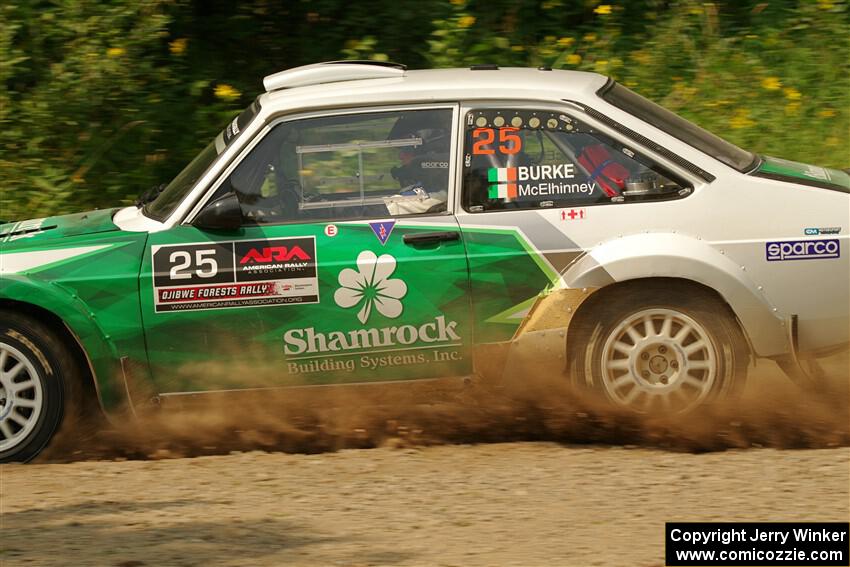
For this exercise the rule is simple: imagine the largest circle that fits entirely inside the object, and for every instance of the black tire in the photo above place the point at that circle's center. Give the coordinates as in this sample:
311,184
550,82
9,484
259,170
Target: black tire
642,366
46,379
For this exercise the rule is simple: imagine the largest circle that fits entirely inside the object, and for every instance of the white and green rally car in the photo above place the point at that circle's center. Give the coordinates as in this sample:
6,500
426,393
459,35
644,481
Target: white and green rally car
361,223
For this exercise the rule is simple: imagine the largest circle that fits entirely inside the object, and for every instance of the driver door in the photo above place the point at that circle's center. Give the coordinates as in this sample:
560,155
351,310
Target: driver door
349,266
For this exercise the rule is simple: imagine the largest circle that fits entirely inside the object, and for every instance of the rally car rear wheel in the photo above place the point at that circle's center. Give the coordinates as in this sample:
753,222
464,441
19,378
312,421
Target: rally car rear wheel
35,366
667,352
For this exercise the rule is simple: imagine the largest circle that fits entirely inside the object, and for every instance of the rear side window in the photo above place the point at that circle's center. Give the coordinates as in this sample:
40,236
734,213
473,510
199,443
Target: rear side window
525,159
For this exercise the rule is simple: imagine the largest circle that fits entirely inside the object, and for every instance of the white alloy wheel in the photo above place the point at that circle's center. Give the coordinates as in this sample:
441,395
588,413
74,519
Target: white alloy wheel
658,347
659,359
21,397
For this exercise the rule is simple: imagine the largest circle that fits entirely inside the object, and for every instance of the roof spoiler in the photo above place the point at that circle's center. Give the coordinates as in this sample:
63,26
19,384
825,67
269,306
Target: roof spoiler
333,72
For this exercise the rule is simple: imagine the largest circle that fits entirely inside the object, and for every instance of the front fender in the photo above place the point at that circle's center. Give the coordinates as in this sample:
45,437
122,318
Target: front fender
64,303
684,257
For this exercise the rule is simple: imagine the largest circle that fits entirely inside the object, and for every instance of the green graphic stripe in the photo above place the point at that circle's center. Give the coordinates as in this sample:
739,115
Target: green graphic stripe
535,255
508,315
538,258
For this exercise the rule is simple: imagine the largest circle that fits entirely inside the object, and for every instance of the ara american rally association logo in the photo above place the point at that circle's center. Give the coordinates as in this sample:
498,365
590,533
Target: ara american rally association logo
534,181
371,288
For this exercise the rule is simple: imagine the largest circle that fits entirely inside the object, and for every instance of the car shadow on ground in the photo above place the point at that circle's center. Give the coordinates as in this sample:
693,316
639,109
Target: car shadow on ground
129,533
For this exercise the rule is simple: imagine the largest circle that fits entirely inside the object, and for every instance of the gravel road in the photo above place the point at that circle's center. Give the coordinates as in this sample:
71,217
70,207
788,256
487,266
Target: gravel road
524,504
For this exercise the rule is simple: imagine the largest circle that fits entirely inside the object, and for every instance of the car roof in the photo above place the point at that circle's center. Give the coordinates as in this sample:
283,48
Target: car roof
432,85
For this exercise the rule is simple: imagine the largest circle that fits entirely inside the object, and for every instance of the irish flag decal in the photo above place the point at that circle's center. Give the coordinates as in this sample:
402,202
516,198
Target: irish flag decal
502,182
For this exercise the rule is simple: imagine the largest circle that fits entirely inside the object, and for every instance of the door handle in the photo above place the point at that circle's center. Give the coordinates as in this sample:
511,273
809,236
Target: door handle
431,237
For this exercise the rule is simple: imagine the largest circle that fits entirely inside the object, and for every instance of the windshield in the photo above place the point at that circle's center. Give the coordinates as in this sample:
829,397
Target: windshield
678,127
174,192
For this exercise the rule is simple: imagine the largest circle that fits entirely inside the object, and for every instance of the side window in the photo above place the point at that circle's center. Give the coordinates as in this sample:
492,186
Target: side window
347,167
522,159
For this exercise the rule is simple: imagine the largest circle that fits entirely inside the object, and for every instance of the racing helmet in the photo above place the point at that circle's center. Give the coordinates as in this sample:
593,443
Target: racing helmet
426,161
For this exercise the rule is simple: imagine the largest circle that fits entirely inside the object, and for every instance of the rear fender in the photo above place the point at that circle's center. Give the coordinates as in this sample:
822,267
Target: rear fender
684,257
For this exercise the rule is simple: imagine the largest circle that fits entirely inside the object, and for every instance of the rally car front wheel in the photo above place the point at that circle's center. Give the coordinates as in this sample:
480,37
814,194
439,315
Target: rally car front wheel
34,376
661,350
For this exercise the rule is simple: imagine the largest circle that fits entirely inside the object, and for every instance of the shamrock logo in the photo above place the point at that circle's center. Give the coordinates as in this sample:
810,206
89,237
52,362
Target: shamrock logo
371,285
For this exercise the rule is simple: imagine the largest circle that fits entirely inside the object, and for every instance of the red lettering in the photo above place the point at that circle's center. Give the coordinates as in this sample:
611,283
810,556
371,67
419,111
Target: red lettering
274,254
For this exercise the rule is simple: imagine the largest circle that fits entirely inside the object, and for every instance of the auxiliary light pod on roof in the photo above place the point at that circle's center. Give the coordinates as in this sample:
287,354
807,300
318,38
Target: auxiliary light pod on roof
332,72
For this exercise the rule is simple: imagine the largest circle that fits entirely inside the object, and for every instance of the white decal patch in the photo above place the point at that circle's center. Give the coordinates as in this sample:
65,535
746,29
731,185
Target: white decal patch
21,262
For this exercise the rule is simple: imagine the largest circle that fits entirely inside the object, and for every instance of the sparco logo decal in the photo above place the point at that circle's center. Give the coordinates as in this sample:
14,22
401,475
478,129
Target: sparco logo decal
802,250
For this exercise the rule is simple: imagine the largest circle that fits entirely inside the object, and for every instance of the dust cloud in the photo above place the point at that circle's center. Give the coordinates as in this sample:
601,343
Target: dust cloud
771,412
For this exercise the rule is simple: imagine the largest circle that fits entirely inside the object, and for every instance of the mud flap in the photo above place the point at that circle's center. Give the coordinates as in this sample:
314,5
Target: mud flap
539,345
140,396
803,371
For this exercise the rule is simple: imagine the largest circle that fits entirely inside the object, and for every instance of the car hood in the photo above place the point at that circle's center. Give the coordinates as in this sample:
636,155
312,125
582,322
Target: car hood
60,226
803,174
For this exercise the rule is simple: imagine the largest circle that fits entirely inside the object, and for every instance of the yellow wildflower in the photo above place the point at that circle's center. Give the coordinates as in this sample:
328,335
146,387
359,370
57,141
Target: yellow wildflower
590,37
226,92
466,21
603,9
826,4
573,59
642,57
771,83
458,2
741,119
792,107
792,94
601,65
565,41
178,46
826,113
517,48
115,52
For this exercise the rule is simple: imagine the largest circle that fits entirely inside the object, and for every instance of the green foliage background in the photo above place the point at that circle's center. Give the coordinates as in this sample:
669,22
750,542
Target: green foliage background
101,100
